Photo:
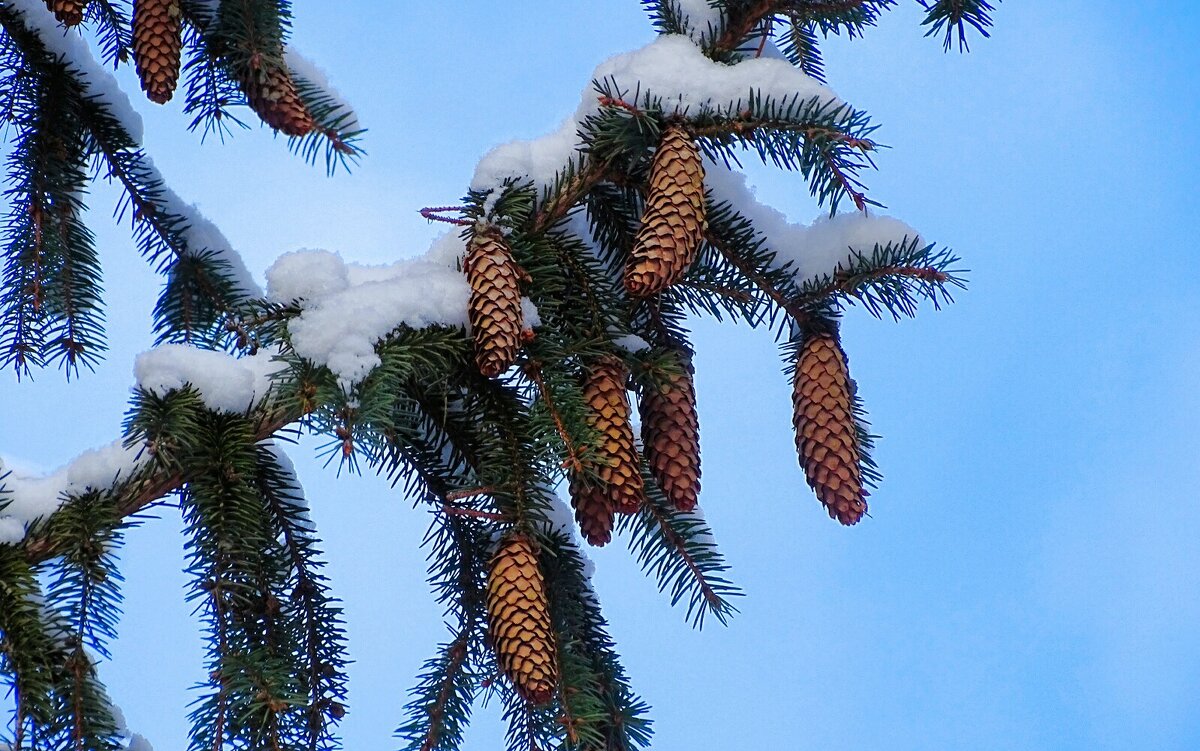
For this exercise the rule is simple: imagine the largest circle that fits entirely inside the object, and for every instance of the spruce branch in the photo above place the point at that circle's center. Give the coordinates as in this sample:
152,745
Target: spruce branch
952,17
678,550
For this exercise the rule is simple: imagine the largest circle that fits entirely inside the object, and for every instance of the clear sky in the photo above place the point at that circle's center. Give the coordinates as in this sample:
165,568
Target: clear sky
1030,578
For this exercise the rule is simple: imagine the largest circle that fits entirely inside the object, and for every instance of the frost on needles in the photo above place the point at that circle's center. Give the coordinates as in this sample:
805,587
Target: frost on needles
514,378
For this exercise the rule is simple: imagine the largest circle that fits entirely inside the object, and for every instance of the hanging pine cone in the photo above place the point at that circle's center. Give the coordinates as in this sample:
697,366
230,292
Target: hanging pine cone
618,469
671,437
594,512
674,221
156,46
495,304
68,12
272,95
519,620
826,433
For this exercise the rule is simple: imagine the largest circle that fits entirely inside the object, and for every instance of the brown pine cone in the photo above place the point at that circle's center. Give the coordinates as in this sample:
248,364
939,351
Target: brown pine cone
495,304
157,42
68,12
826,433
674,221
618,469
671,437
519,620
272,95
594,512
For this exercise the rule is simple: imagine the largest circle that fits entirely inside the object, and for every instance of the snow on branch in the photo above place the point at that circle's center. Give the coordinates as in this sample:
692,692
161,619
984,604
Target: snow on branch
149,196
676,71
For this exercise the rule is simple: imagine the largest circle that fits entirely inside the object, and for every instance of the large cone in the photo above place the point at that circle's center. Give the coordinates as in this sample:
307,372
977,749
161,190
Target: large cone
69,12
156,46
674,222
519,620
272,95
671,437
594,512
618,468
826,434
495,304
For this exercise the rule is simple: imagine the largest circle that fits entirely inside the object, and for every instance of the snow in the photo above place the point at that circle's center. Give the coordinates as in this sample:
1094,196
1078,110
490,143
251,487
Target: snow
672,68
224,382
304,68
699,16
200,234
562,519
348,308
632,343
306,275
135,741
28,498
303,521
816,249
69,46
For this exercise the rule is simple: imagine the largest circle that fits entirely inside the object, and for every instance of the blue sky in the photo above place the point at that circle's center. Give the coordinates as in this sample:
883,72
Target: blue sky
1029,579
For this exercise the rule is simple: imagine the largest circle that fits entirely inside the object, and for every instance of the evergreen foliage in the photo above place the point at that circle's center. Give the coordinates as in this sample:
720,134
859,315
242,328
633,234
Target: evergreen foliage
483,455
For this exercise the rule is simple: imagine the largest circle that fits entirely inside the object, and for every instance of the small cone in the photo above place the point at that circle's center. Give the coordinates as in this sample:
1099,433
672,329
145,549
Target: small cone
674,222
519,620
495,304
594,512
68,12
619,469
826,433
272,95
157,42
671,437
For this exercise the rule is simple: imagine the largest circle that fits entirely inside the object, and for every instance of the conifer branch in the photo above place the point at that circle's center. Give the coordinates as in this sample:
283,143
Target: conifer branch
133,496
792,306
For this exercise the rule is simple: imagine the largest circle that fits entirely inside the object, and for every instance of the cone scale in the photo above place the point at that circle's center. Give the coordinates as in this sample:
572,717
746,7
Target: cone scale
674,220
826,432
157,43
519,620
68,12
618,469
671,437
593,511
271,93
495,303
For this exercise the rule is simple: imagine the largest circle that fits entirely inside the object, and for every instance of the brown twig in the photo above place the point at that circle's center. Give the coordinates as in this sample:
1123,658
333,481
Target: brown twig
488,515
608,101
733,294
573,462
458,495
710,596
433,214
458,656
790,306
144,490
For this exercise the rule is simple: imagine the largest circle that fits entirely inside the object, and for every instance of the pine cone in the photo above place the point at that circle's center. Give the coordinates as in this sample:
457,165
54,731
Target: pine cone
68,12
495,304
619,471
272,95
671,437
674,221
519,620
156,46
826,432
594,512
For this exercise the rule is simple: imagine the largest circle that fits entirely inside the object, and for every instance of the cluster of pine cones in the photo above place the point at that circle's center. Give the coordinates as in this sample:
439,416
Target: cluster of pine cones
673,228
157,51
